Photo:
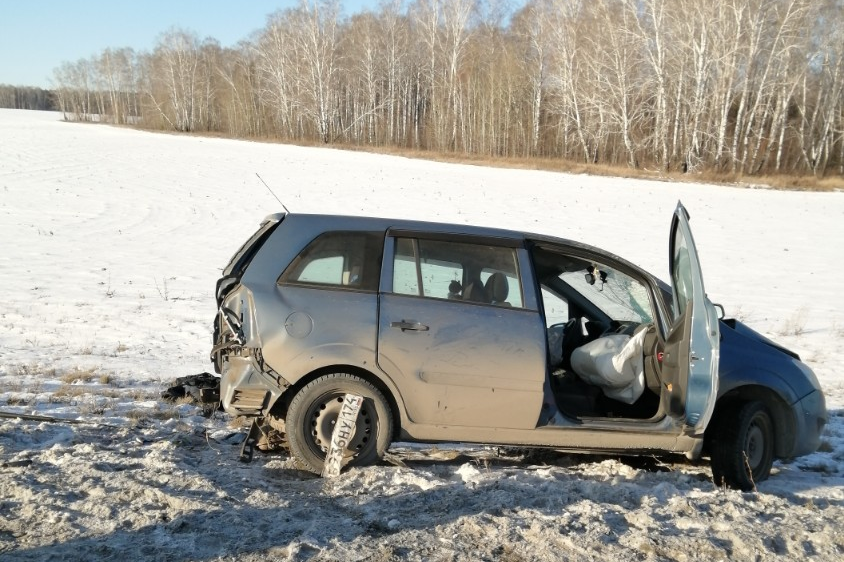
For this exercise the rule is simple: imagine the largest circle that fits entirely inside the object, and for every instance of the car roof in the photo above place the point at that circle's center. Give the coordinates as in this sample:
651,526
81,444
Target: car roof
336,222
384,223
354,222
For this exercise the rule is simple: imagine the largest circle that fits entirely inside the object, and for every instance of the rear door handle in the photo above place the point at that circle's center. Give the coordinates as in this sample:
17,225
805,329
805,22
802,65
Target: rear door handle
409,325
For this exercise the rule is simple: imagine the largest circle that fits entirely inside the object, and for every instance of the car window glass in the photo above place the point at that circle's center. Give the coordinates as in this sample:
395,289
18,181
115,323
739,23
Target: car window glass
618,295
437,275
340,259
405,280
323,270
556,308
457,271
681,275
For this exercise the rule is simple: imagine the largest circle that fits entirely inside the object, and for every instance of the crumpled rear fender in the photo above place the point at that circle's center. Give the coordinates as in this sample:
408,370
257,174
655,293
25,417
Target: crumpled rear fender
238,313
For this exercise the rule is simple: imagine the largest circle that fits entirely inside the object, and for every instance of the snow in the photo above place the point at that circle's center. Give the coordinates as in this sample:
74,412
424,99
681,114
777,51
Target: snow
112,240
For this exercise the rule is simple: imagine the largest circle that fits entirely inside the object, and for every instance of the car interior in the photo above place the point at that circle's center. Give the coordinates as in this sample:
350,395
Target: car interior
591,311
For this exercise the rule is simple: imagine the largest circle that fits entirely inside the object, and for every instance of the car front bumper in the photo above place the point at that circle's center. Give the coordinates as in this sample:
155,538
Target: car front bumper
810,416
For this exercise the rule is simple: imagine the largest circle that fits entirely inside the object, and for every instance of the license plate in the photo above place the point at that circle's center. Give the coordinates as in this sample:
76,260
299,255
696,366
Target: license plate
344,430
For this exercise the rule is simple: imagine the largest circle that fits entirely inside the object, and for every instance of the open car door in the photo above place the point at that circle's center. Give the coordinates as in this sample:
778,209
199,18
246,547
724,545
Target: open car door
693,342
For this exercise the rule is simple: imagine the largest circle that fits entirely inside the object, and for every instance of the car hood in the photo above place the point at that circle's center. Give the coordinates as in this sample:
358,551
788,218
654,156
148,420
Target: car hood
748,332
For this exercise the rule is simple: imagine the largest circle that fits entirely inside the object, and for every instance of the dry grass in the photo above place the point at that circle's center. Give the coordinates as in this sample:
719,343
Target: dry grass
110,393
66,392
140,414
26,370
33,369
795,324
95,407
137,414
803,183
80,375
11,384
142,394
783,182
16,385
21,394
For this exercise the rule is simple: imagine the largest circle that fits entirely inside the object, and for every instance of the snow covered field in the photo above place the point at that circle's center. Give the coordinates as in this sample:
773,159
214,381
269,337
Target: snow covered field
110,243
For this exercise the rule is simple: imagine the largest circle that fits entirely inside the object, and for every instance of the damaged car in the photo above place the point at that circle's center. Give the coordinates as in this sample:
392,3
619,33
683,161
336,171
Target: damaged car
479,335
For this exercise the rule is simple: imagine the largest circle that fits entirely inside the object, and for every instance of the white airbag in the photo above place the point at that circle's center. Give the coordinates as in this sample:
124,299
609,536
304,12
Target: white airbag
615,364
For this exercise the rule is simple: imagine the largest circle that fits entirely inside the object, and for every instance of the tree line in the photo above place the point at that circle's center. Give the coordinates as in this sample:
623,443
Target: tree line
26,97
735,86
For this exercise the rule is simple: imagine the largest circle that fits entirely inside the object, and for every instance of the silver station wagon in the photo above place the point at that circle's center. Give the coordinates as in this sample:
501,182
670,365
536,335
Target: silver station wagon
479,335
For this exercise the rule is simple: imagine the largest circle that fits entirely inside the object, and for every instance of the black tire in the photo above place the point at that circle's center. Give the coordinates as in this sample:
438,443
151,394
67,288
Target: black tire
314,410
742,445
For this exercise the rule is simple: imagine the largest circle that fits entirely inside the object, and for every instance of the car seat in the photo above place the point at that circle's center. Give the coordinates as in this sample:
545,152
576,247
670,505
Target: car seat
474,291
497,288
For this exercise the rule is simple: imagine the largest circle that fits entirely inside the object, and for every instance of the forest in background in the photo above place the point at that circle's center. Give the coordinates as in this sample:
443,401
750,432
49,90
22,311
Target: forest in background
725,86
26,97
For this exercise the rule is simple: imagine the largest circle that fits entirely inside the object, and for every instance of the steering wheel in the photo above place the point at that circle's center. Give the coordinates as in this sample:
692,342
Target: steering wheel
626,328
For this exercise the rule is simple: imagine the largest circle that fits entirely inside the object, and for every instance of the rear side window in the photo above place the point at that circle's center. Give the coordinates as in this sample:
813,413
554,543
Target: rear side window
350,260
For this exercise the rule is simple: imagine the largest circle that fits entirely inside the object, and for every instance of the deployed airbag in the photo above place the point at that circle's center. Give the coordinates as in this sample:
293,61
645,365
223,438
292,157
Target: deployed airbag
614,363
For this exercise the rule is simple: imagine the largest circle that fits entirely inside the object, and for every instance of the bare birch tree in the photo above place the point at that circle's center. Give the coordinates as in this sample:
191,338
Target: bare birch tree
740,86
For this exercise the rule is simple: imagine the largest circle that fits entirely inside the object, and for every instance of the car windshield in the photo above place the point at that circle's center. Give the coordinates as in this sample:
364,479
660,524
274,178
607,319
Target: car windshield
618,295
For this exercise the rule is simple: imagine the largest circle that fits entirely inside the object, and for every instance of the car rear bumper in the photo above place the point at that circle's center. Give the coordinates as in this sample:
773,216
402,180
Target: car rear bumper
245,390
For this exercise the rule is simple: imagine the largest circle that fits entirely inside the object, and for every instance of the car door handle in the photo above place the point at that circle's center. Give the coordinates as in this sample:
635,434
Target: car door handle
409,325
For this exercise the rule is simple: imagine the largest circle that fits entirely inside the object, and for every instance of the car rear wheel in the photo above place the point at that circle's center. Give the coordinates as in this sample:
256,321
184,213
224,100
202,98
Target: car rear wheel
313,413
742,447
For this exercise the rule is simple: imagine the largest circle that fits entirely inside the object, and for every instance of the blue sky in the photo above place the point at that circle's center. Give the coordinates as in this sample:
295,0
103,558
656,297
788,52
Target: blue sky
37,36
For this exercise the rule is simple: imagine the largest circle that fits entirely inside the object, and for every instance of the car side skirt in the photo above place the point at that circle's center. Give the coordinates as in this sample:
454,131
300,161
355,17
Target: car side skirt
575,439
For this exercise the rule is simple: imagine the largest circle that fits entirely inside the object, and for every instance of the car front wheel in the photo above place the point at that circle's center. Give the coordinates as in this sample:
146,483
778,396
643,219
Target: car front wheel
313,413
742,448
